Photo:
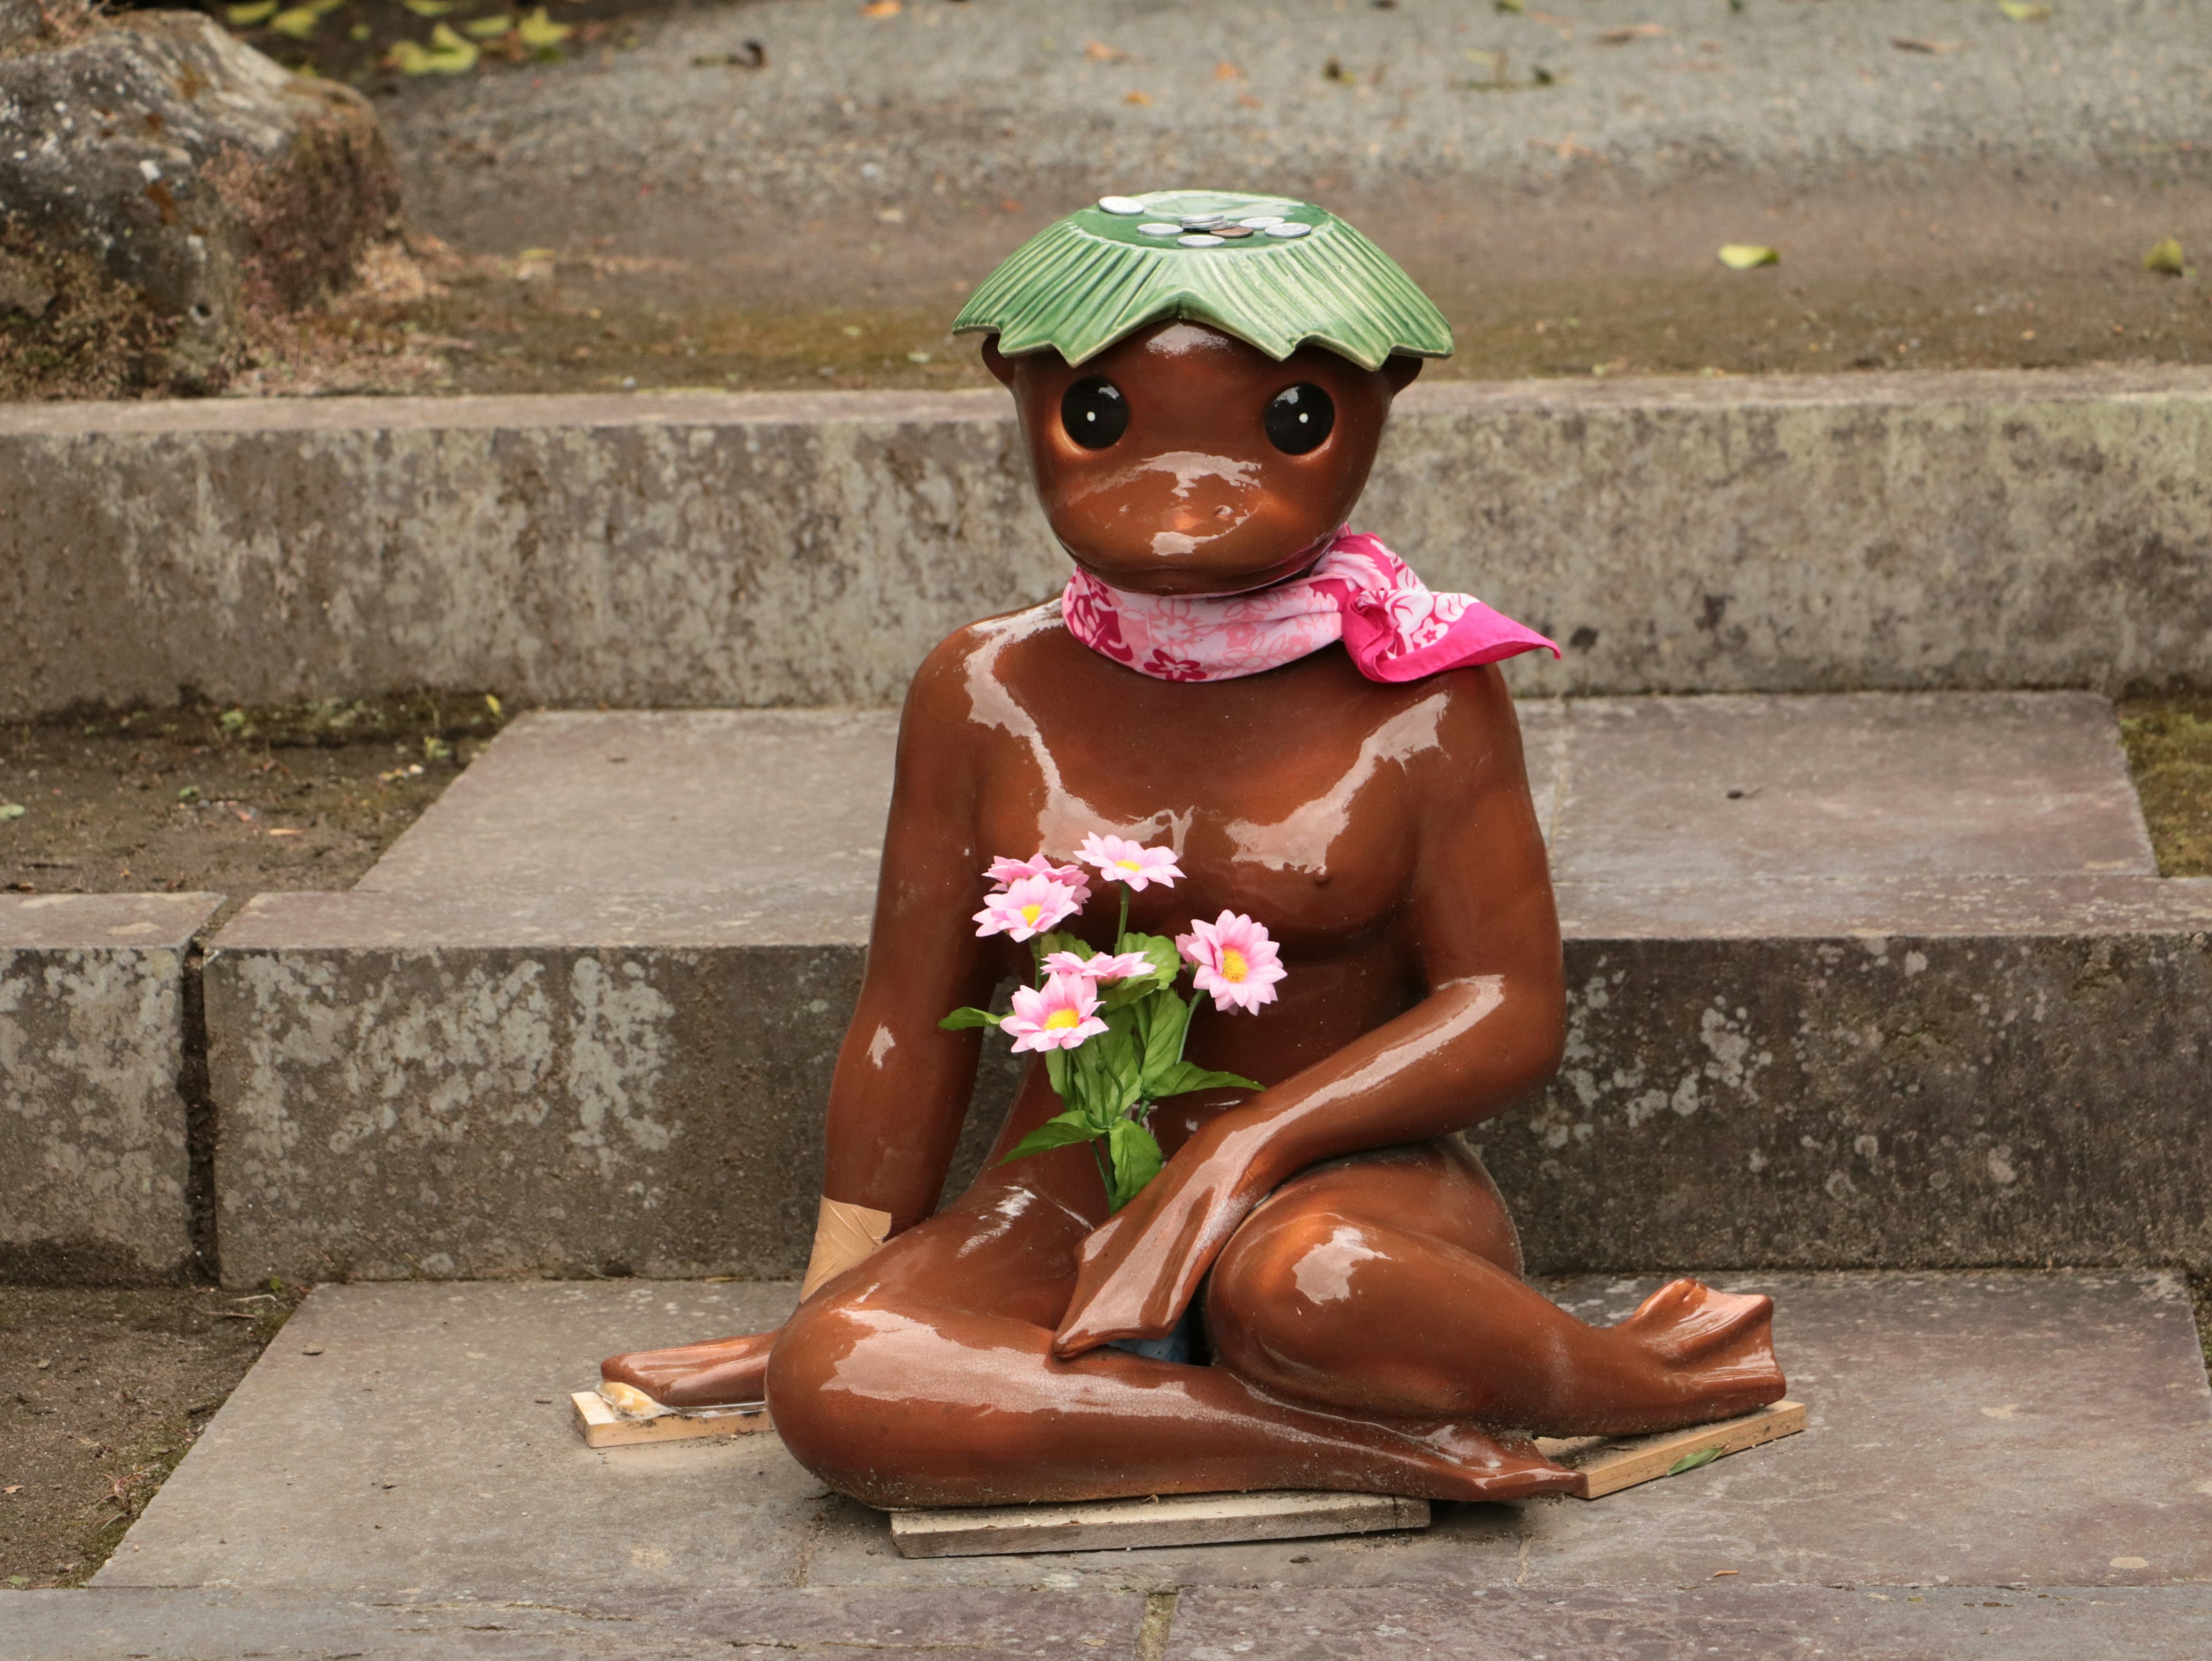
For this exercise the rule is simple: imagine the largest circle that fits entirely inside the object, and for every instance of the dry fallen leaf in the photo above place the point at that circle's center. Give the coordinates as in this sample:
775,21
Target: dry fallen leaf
1914,43
297,24
1745,256
1133,96
881,9
1099,52
1634,31
2165,258
537,31
1225,70
2023,11
245,16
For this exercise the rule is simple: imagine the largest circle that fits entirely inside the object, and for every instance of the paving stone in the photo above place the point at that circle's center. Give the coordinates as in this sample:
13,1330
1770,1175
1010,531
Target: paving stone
1899,1003
956,1625
94,1157
1804,534
2051,1429
1735,1624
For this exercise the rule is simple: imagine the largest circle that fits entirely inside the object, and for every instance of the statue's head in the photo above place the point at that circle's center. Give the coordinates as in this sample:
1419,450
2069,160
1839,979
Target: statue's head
1202,377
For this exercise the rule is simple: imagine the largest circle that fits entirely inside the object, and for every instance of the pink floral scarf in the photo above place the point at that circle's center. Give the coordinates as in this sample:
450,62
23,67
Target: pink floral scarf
1359,592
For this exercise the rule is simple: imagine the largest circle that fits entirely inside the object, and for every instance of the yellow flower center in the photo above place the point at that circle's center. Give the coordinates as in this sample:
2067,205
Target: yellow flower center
1130,865
1233,966
1031,913
1060,1019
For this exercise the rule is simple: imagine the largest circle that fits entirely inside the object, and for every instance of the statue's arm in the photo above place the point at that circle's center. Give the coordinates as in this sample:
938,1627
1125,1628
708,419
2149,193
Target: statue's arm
1482,933
902,1084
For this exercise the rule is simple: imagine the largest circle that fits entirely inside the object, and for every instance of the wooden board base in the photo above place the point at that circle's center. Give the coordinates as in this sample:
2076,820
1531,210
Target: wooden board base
1608,1464
1192,1519
604,1427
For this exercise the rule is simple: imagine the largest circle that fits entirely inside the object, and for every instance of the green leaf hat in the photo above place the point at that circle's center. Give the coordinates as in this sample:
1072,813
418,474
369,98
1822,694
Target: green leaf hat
1271,272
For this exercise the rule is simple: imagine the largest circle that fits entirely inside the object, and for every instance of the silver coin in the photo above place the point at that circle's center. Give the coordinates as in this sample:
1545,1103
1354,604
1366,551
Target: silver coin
1159,230
1124,205
1198,239
1291,228
1202,221
1260,222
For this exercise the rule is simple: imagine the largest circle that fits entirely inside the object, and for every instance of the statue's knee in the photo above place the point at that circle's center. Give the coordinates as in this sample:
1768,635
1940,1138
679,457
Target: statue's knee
1275,1288
811,1406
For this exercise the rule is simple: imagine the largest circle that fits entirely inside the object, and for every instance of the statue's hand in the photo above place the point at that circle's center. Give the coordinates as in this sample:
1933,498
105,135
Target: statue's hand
1141,1269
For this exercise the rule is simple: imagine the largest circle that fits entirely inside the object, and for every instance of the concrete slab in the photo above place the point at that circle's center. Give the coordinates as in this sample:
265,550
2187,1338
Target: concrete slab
1735,1624
779,810
1805,534
1663,791
218,1624
1205,1623
96,996
1913,998
2053,1430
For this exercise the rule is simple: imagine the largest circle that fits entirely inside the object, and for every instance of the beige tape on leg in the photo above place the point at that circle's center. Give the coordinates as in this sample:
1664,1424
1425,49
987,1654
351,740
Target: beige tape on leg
843,1235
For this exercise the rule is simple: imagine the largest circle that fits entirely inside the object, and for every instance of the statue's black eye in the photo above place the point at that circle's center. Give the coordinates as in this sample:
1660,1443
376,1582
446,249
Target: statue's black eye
1299,417
1094,413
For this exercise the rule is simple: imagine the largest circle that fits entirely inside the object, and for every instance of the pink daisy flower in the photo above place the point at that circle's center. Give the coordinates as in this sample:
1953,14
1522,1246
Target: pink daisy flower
1006,872
1120,859
1236,961
1060,1017
1033,905
1127,966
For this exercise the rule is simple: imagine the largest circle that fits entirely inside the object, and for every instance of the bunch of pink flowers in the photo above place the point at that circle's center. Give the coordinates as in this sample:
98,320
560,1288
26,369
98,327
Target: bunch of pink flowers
1111,1025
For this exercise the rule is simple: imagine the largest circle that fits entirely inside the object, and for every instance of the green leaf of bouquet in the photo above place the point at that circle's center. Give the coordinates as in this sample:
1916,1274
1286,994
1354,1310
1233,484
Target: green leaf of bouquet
960,1020
1167,962
1167,1020
1184,1077
1056,1069
1061,1130
1136,1159
1692,1461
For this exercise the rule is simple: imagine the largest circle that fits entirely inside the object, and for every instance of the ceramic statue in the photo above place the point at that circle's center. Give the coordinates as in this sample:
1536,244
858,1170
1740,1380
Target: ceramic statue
1243,715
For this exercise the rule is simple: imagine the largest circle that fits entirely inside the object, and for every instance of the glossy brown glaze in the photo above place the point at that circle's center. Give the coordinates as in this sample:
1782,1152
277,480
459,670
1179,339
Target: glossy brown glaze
1360,1275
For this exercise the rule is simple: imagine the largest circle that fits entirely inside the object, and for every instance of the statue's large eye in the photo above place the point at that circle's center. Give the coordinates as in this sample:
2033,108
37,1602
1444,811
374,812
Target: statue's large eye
1094,413
1299,418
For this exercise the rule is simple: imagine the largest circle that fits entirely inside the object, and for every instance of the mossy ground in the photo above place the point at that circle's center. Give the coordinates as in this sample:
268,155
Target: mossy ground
2169,745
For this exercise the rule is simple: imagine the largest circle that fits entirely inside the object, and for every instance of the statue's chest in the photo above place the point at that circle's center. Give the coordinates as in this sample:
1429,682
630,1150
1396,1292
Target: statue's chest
1305,823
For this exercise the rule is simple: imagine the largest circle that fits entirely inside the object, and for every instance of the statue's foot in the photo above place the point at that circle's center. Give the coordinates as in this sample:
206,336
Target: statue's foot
1717,1348
725,1373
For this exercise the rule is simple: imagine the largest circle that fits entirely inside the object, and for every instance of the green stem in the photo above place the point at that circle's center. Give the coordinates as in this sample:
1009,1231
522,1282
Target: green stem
1121,933
1105,1169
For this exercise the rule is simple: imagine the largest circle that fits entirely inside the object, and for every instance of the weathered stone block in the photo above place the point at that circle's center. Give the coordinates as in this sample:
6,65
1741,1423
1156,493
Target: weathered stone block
1913,1091
412,1085
161,178
94,1157
1875,980
1938,531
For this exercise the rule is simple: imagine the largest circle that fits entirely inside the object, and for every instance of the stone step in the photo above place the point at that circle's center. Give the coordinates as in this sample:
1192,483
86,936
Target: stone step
100,1088
1800,534
1995,1464
1880,979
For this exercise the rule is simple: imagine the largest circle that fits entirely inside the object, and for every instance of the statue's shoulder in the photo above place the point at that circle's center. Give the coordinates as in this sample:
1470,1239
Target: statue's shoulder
977,655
